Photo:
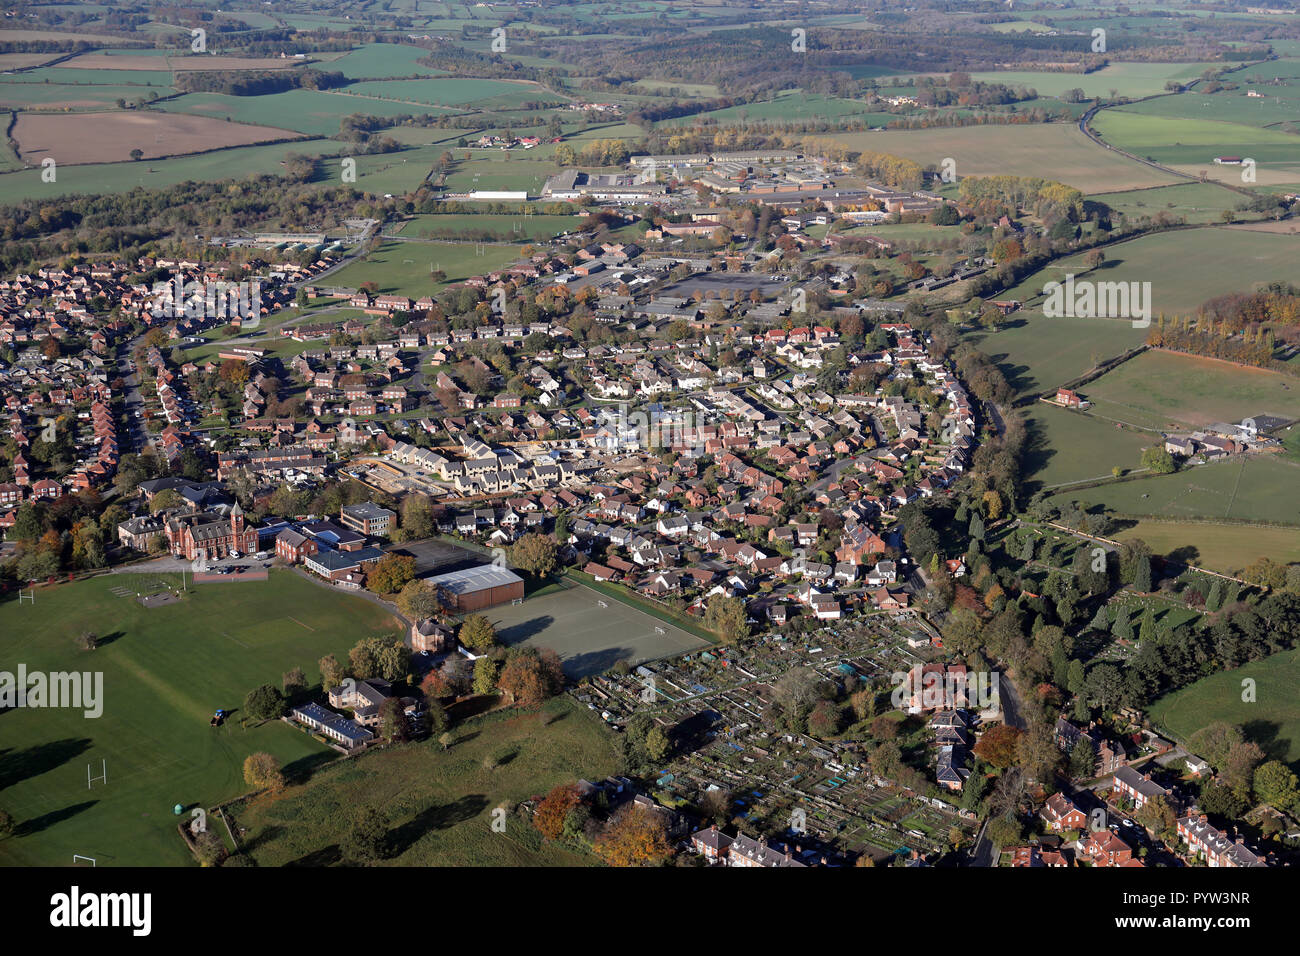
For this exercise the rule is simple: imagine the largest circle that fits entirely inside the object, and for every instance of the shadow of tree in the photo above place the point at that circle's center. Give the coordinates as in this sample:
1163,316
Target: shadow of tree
401,838
46,820
19,765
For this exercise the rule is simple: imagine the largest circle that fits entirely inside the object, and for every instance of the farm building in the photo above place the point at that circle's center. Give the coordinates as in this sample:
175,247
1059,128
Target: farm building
473,589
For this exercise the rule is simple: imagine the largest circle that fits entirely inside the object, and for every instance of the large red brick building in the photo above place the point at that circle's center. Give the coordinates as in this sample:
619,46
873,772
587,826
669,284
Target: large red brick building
210,535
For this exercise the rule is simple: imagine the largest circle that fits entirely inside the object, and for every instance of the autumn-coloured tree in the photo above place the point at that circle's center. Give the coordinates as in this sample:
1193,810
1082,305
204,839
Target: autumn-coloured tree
554,808
636,836
534,554
477,632
390,573
531,676
261,770
997,745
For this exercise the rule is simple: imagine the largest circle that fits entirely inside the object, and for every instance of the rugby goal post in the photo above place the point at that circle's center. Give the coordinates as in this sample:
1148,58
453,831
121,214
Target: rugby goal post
29,596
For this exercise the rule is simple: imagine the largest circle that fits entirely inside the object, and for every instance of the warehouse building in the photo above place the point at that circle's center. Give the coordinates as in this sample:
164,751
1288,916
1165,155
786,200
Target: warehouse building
473,589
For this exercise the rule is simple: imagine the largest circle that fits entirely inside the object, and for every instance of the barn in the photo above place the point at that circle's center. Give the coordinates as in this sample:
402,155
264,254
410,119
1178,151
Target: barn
473,589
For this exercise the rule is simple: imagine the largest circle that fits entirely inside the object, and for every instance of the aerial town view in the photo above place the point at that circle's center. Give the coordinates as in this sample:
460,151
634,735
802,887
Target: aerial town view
657,434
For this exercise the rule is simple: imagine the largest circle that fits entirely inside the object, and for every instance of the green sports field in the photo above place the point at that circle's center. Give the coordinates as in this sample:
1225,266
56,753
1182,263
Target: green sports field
1272,720
165,670
402,268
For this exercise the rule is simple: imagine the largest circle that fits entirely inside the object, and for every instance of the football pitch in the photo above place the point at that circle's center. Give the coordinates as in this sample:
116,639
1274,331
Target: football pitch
165,671
589,631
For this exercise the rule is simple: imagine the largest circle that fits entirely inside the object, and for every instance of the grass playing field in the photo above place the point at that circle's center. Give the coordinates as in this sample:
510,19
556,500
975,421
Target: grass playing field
402,268
1272,720
165,671
589,638
490,224
439,804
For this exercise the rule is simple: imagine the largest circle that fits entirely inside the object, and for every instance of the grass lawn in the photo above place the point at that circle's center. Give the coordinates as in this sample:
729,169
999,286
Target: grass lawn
402,268
1167,390
1272,721
165,670
439,803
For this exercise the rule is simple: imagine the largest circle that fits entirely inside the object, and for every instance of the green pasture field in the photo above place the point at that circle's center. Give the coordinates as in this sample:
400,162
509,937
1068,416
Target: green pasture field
165,671
1127,79
122,177
402,268
1067,446
1185,267
1170,390
1271,720
1247,488
1036,353
383,60
1051,150
1277,105
73,96
314,112
73,75
438,803
1194,202
452,92
1178,141
1218,547
531,227
788,107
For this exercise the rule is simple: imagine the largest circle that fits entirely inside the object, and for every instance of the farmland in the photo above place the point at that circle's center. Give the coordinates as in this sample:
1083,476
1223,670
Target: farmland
97,137
1055,150
1244,488
1193,202
1066,446
1127,79
165,671
1175,263
1219,547
1036,353
1165,389
1192,144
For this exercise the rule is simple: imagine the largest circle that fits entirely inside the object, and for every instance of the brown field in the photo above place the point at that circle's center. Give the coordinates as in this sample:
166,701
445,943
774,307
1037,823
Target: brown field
1052,150
21,61
110,137
102,61
21,36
